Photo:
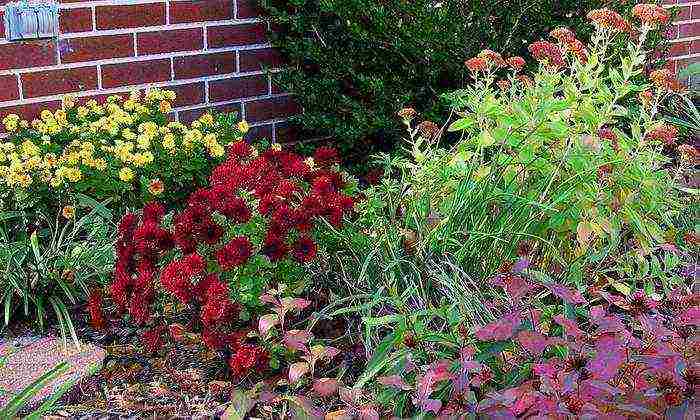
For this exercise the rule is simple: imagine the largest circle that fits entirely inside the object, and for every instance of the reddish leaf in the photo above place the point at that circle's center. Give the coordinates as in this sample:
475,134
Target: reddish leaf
515,286
394,381
296,340
326,386
570,326
500,330
691,317
570,296
533,341
266,323
610,355
297,370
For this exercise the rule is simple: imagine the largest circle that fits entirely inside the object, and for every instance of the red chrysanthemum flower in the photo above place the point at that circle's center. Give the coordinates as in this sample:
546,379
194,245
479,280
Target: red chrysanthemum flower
239,150
274,248
153,211
326,156
246,358
218,310
286,189
322,186
174,279
268,204
651,14
212,339
237,210
234,253
139,307
119,289
304,249
127,225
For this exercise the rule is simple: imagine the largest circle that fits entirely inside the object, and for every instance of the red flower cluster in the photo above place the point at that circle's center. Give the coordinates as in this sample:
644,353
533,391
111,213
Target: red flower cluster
548,53
572,44
651,14
489,60
666,134
286,195
516,63
477,64
610,20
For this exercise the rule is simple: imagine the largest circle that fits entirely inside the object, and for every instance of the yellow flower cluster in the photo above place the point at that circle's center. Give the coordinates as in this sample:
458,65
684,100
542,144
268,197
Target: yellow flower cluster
120,141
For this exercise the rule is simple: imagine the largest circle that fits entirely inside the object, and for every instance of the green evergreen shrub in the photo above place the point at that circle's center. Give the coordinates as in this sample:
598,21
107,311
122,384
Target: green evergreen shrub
354,63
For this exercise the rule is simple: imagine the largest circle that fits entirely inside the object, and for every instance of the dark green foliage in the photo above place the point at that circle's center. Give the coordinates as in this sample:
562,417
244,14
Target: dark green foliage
354,63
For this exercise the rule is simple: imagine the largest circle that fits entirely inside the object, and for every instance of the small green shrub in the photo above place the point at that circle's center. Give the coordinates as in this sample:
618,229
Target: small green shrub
354,63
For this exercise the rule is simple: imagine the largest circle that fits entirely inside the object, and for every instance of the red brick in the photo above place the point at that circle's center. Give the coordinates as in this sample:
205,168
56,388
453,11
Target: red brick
683,13
679,48
28,111
248,9
27,54
91,48
54,82
190,115
188,94
672,32
259,132
188,67
169,41
130,16
688,30
75,20
135,73
255,60
231,35
267,109
237,88
200,10
9,89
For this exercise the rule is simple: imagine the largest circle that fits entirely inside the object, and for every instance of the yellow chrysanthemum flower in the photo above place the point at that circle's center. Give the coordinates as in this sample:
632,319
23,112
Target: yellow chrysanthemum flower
243,127
169,142
11,122
126,174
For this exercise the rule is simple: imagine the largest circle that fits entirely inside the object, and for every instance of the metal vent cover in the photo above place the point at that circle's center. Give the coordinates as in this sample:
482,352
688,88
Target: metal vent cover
24,20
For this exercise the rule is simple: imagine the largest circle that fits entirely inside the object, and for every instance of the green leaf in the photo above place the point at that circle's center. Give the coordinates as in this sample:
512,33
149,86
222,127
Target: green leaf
461,124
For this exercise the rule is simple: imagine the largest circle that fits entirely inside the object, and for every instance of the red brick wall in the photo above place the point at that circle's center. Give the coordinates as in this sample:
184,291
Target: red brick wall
685,34
210,52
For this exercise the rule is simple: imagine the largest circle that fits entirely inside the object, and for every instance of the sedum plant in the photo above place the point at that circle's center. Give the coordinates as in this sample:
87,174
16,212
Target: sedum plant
552,164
